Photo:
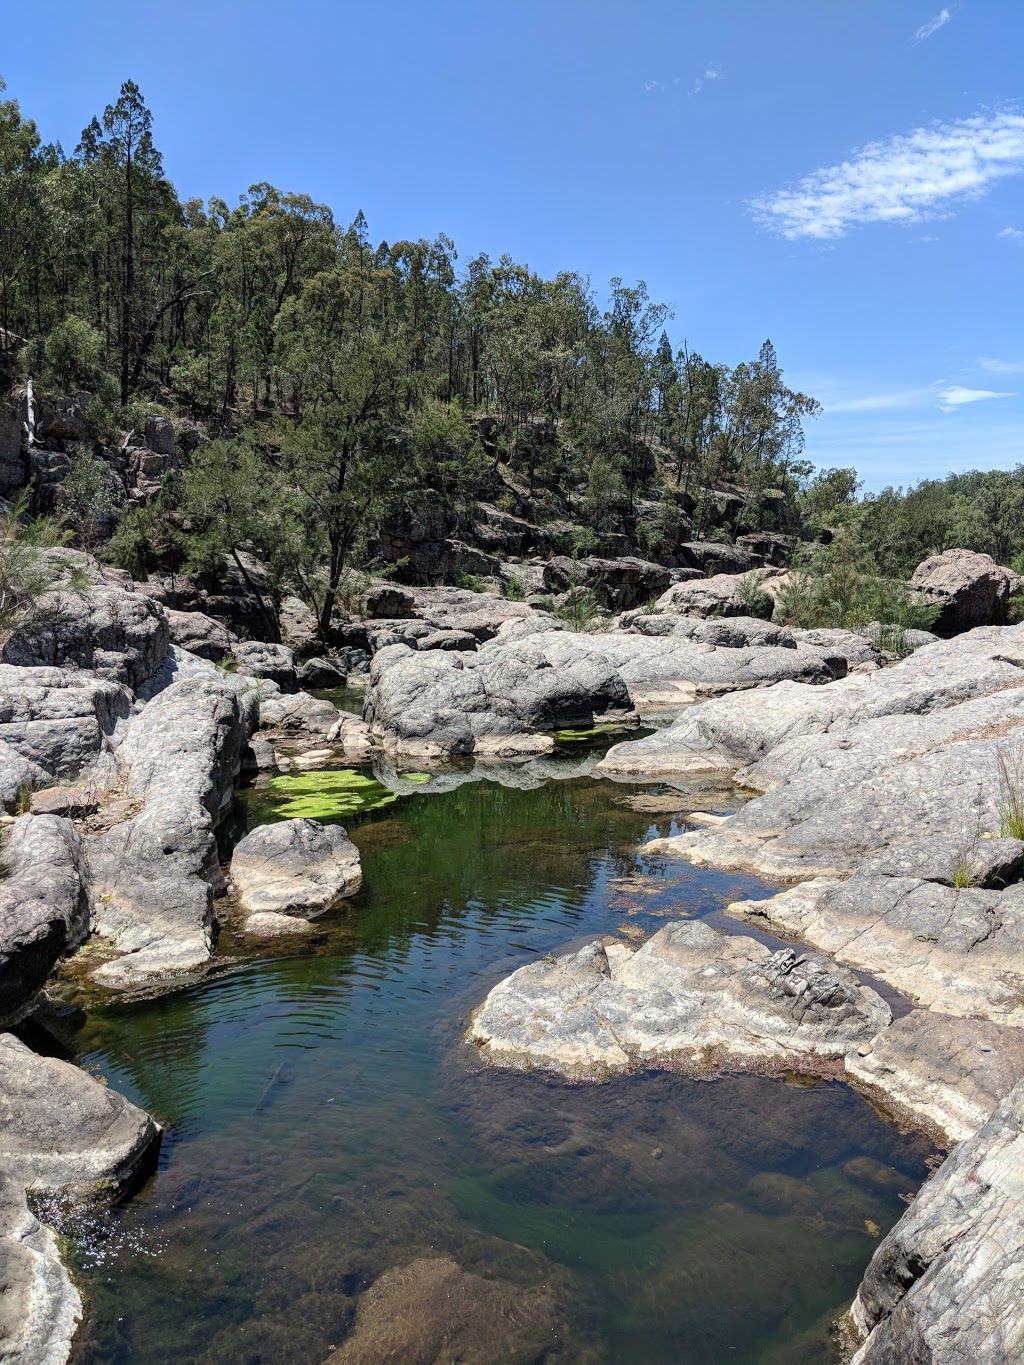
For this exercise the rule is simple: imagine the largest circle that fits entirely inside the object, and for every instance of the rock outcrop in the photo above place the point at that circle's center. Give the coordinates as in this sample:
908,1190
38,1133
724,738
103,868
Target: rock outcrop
970,589
690,999
295,867
40,1308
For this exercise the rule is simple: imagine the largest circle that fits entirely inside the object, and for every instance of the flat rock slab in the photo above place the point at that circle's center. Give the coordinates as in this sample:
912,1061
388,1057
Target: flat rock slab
939,1072
40,1308
61,1129
298,867
266,924
690,999
947,1284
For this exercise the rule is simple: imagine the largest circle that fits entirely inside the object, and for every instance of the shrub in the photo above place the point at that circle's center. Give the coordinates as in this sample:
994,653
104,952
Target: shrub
471,581
1010,794
581,610
515,590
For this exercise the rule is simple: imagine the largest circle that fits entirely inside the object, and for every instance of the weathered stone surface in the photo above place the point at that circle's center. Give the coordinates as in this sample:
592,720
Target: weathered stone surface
159,432
690,999
200,635
970,588
323,673
939,1072
431,1312
152,891
61,1129
737,632
73,802
40,1308
387,600
55,721
947,1284
43,908
297,713
618,583
720,595
298,867
274,662
843,648
353,734
266,924
712,557
120,636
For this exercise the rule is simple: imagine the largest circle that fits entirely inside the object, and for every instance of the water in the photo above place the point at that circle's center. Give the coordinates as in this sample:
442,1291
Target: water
325,1122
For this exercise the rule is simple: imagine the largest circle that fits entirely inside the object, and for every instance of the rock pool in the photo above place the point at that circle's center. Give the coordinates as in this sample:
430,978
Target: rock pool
325,1123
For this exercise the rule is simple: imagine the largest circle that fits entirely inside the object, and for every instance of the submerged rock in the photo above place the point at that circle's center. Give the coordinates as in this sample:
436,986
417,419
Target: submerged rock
295,867
432,1312
690,999
947,1284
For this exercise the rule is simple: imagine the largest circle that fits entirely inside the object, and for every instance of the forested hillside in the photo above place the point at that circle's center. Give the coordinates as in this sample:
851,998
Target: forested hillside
330,393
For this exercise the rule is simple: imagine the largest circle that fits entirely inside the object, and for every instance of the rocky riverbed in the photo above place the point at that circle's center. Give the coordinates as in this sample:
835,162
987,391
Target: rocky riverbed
126,727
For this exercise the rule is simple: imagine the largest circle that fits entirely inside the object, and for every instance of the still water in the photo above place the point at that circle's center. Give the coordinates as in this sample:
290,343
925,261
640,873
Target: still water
325,1122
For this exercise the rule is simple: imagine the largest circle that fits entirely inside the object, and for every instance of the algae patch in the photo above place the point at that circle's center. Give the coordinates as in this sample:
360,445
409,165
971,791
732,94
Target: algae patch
327,794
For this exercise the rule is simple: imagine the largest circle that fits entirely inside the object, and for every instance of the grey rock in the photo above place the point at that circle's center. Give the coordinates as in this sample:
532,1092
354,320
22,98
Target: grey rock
721,595
448,639
737,632
323,673
971,589
60,1129
40,1308
200,634
298,713
295,867
712,557
159,432
946,1285
266,924
275,662
689,999
388,600
940,1072
43,908
841,649
153,875
57,721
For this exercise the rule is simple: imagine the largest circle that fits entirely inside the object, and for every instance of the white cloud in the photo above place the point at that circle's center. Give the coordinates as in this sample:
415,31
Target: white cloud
899,180
957,396
933,25
654,87
1010,232
882,402
711,73
1001,366
929,238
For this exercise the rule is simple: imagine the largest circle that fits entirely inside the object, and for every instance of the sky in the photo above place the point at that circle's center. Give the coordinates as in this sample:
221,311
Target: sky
845,177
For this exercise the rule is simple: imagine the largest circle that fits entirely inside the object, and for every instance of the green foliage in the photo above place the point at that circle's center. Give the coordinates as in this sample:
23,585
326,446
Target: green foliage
1010,789
72,354
87,497
330,794
754,597
515,590
25,571
581,611
472,582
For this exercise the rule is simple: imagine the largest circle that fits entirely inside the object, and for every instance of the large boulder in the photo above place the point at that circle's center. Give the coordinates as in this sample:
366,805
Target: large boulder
711,557
153,875
60,1129
55,721
40,1308
720,595
970,589
43,908
274,662
947,1284
690,999
295,867
200,635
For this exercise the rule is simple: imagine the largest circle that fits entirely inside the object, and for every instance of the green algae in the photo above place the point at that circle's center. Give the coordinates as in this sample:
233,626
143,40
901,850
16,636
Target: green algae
588,736
329,794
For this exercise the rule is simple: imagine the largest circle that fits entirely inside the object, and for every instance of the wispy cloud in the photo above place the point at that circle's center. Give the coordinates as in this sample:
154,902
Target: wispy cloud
1001,366
957,396
933,25
900,180
1009,232
883,402
711,73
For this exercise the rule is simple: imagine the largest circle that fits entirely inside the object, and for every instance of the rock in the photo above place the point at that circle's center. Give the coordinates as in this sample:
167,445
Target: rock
323,673
388,600
689,999
299,627
737,632
841,649
43,908
295,867
711,557
721,595
268,925
946,1285
431,1312
63,419
56,722
353,734
274,662
891,636
120,636
970,588
299,713
448,639
200,635
159,434
258,756
939,1072
621,583
153,874
62,1130
74,802
769,547
40,1308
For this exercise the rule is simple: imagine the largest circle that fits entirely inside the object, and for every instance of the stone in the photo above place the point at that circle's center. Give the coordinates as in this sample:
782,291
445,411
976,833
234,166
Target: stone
939,1072
53,722
295,867
74,802
691,999
159,434
153,875
299,627
40,1308
721,595
200,635
273,662
43,908
947,1284
298,713
736,632
431,1312
970,589
388,600
60,1129
712,557
353,734
266,924
323,673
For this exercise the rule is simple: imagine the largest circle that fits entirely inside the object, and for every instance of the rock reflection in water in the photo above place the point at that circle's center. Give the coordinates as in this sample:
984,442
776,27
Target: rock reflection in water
327,1126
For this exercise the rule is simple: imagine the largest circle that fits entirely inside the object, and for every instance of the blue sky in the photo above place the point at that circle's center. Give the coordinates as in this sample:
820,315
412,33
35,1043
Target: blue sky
844,176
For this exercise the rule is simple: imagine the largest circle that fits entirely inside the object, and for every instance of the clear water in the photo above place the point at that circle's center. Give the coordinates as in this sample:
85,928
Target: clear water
325,1122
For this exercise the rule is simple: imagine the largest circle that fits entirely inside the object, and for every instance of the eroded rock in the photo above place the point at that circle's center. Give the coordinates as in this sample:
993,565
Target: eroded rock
296,867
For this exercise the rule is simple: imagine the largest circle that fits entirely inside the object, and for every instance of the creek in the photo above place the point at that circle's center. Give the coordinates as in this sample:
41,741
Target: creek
324,1120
